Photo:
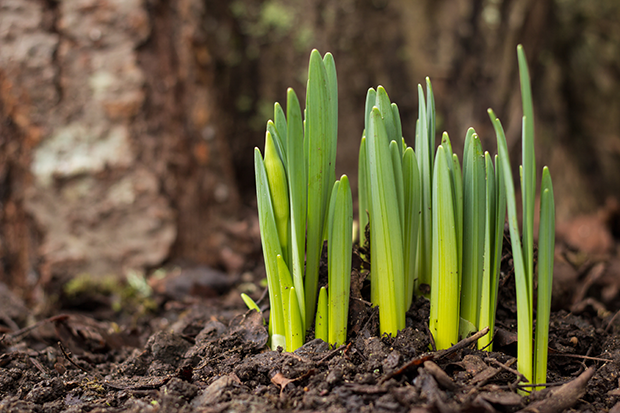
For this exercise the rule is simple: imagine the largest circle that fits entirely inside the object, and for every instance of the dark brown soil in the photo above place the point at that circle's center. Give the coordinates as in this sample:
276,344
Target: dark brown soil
209,355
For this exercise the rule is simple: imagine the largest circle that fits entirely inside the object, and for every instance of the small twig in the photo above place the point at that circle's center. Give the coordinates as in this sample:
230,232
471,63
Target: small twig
262,297
9,322
583,363
372,316
506,366
67,355
25,330
361,300
330,354
490,342
611,322
441,377
418,361
347,350
466,342
39,366
578,356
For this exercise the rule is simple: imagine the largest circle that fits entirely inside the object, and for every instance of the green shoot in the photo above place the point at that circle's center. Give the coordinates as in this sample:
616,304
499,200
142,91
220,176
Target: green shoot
385,228
278,189
546,246
321,324
279,120
424,142
320,136
362,189
271,249
430,222
528,169
473,224
291,313
532,362
495,216
339,260
295,334
293,185
524,299
297,194
251,304
444,317
413,207
390,186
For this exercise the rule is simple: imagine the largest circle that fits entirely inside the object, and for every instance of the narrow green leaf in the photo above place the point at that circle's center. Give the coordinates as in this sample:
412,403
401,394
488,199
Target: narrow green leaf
332,207
524,298
430,113
528,187
297,187
286,285
332,93
489,277
371,99
364,182
456,182
339,260
277,140
385,108
500,220
386,233
447,147
457,178
319,129
424,152
249,302
473,229
363,191
413,209
278,188
279,119
397,164
444,319
546,246
397,122
271,249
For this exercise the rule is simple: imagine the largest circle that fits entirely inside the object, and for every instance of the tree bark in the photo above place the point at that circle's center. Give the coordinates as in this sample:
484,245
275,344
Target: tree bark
112,155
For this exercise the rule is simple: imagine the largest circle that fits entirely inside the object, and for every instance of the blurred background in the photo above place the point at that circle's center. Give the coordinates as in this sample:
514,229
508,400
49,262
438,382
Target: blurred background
127,126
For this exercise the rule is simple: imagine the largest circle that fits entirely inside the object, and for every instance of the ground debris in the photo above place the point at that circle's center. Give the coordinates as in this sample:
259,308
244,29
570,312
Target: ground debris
563,397
208,359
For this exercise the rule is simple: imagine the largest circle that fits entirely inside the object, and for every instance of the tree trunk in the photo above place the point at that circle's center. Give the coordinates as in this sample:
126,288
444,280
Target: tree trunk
112,157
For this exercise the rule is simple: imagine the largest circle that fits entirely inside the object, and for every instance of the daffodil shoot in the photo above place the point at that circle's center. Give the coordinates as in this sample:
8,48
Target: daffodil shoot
434,223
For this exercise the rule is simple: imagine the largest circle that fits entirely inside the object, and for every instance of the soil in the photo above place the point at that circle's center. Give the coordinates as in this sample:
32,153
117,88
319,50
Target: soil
198,350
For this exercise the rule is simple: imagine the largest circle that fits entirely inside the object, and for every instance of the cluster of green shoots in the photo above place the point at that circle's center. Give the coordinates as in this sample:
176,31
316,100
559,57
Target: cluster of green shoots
432,222
300,204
